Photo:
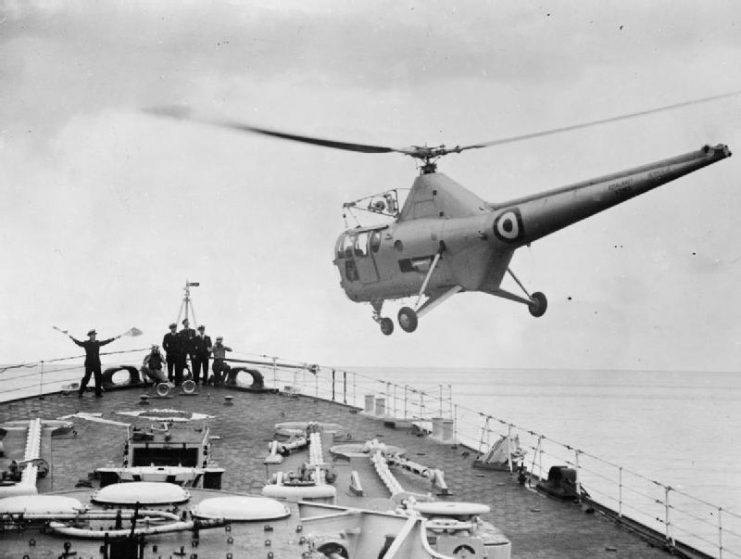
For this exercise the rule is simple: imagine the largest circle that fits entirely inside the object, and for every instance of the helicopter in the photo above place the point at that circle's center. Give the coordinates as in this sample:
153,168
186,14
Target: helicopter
445,239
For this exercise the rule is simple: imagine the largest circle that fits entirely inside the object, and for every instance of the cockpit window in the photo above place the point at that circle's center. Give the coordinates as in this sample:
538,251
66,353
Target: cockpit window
347,245
375,241
339,251
361,244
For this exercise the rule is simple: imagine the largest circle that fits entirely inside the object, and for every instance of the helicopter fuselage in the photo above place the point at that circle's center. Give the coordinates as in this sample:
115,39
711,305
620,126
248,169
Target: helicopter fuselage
474,240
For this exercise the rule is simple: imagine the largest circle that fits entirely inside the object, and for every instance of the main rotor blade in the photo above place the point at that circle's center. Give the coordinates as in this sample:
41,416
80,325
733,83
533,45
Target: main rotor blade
532,135
184,114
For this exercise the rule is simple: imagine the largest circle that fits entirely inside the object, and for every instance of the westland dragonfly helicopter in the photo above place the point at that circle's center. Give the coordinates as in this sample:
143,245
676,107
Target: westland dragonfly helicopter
445,240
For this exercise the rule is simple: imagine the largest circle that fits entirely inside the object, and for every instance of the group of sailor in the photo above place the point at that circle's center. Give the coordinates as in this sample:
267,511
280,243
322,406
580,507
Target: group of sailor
179,346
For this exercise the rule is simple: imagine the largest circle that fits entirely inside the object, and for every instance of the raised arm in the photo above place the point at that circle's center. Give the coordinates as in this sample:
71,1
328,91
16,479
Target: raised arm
109,340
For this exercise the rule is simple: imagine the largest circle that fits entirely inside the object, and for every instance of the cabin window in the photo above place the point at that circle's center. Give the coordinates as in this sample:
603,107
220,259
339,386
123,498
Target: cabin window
375,241
361,244
339,250
347,245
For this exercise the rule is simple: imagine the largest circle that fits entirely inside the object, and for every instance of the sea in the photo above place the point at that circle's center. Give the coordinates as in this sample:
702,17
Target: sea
663,447
637,433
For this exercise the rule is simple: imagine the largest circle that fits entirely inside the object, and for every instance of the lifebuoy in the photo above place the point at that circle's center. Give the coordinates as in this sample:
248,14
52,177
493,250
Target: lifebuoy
107,377
258,381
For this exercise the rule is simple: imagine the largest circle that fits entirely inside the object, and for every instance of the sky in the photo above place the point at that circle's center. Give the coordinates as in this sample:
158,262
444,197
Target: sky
108,210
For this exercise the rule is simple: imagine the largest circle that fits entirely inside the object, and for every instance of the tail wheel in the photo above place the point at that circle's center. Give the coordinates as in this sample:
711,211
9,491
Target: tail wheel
408,319
538,304
387,326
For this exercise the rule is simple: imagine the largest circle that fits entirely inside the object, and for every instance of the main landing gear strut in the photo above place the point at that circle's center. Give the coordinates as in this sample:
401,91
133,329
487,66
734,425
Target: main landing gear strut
536,303
409,317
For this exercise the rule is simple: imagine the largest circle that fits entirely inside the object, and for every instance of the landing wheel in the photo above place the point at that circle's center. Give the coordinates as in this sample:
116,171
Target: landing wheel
538,304
387,326
408,319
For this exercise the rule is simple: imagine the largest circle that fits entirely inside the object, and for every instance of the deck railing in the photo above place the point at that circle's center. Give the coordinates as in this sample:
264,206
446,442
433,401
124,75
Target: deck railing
684,522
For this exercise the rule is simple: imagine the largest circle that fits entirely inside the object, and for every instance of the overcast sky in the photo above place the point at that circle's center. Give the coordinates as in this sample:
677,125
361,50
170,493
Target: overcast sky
107,210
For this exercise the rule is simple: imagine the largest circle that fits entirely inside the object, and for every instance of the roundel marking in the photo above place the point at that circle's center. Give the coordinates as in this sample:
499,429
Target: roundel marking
508,225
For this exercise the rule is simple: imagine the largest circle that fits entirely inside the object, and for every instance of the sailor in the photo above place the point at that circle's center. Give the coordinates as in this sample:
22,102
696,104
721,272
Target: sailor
171,345
92,361
220,367
152,365
201,351
185,338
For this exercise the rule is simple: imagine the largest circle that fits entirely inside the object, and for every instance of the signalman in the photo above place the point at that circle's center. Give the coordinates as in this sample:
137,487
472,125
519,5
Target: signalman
92,361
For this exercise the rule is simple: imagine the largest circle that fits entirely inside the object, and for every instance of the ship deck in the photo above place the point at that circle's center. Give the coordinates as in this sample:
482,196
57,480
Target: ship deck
538,526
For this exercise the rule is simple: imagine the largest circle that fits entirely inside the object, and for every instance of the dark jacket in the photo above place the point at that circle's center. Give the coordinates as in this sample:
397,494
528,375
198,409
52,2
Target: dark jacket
171,344
186,336
92,349
201,346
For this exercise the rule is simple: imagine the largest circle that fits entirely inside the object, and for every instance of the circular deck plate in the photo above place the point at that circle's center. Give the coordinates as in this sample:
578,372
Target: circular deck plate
40,504
189,387
451,508
143,492
239,508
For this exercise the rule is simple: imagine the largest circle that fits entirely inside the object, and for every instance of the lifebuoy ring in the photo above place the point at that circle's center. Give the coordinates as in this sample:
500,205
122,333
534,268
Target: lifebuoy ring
107,377
258,381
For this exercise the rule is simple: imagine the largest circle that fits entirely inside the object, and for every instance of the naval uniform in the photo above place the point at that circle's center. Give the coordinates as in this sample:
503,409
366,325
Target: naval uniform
201,350
92,363
185,338
171,345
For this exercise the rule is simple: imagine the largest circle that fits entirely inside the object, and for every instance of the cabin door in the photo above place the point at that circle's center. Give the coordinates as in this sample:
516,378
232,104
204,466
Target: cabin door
363,256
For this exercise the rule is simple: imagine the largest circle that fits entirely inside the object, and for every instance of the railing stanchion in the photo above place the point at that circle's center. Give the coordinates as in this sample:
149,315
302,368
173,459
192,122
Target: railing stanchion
344,387
484,430
354,391
620,492
389,404
720,533
578,474
406,402
275,372
455,422
509,448
333,394
450,399
667,518
396,404
41,382
540,462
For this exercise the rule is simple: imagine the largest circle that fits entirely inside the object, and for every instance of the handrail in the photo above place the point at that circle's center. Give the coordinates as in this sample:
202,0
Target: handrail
668,510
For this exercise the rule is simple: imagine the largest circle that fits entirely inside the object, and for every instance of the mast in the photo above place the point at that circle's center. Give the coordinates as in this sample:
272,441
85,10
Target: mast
187,303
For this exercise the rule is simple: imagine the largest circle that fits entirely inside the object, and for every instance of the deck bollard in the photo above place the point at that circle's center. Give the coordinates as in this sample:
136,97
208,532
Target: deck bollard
380,406
370,402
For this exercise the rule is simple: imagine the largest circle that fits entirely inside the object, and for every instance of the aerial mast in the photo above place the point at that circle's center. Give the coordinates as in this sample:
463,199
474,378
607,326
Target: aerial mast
187,304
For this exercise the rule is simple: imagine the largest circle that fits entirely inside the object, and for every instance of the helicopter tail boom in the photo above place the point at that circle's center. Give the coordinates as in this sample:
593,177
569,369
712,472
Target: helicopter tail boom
522,221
